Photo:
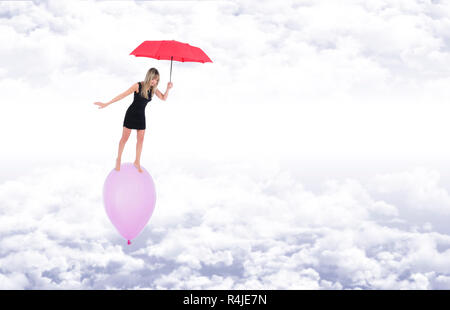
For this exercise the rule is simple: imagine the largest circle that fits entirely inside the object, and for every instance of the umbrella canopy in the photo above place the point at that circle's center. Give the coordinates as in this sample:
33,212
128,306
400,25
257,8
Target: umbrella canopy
170,50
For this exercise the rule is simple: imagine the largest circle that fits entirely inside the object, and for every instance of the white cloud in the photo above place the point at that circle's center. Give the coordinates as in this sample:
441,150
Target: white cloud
420,187
297,80
346,81
231,229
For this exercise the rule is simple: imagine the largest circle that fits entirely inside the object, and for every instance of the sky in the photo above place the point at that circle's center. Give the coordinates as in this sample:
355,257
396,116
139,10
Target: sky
311,154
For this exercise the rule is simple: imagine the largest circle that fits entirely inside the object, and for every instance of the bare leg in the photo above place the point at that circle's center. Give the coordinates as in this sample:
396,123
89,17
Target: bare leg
140,141
125,134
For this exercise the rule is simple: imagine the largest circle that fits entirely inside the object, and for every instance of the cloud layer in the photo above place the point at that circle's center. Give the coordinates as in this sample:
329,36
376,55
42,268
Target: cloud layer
350,79
298,81
230,227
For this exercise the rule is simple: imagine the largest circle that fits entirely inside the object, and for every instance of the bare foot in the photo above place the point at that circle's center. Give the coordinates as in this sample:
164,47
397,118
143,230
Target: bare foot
138,166
117,164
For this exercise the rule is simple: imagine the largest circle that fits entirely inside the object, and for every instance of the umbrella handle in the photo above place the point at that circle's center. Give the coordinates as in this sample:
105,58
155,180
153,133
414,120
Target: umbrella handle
171,59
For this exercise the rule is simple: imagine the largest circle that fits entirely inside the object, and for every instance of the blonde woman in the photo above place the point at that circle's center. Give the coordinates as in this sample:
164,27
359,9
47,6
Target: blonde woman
135,115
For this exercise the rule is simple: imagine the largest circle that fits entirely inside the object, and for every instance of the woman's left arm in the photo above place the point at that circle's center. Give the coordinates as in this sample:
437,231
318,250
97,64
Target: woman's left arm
166,94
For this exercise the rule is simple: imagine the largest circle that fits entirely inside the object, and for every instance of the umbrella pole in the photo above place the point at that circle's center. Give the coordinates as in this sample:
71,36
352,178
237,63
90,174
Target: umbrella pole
171,59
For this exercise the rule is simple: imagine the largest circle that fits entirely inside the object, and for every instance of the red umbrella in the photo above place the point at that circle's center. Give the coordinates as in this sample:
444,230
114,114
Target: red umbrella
172,50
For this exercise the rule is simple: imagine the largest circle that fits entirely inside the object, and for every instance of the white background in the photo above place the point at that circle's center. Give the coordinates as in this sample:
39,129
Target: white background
312,152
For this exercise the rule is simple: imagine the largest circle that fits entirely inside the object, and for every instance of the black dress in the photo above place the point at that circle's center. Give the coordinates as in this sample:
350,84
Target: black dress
135,115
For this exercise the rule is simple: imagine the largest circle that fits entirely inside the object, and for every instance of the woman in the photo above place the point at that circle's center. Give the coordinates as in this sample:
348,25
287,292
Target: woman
135,115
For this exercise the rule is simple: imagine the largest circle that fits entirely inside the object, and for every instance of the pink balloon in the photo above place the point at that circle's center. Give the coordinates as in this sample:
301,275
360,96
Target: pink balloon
129,197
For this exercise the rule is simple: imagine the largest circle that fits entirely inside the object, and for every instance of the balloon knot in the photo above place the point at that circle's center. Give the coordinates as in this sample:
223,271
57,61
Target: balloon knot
129,242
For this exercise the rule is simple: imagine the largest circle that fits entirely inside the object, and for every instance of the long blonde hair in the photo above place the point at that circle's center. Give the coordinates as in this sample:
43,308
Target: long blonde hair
152,73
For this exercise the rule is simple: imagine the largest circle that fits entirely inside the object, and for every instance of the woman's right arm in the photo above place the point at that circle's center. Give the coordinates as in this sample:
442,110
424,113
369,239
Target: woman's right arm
130,90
